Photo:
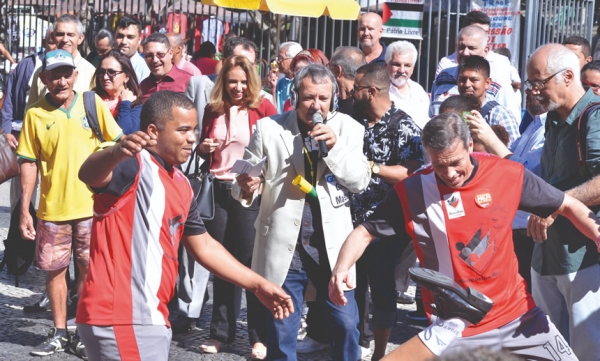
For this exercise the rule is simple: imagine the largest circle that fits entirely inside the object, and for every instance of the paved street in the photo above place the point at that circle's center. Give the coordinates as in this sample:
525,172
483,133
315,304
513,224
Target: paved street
20,332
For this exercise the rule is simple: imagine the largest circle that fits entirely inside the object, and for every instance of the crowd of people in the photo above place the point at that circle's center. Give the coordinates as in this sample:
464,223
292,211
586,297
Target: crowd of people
362,174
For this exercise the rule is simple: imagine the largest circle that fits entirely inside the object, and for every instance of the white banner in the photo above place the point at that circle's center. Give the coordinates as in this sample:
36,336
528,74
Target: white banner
506,24
403,19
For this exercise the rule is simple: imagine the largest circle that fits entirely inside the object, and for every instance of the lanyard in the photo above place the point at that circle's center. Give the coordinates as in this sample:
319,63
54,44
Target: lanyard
312,168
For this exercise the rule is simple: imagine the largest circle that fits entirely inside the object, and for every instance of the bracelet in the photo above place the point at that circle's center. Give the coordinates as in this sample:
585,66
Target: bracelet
597,242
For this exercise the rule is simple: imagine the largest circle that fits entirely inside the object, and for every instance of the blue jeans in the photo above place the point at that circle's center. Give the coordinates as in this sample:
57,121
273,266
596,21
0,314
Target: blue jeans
341,321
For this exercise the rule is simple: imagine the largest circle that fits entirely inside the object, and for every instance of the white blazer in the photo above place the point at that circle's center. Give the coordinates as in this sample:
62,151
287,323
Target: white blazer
278,224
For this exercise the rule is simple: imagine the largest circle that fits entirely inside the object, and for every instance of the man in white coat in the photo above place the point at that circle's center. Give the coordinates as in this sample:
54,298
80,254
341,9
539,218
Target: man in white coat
298,234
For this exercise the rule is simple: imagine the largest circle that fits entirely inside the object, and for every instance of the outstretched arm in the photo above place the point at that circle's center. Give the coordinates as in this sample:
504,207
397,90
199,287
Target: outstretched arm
576,212
96,171
413,349
212,255
353,248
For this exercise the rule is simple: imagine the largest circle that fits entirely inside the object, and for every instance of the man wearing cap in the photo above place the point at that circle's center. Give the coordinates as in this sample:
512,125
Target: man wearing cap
68,34
53,128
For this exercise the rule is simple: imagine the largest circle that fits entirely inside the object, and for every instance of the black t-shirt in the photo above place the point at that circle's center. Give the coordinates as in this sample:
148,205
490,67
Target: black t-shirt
537,197
123,177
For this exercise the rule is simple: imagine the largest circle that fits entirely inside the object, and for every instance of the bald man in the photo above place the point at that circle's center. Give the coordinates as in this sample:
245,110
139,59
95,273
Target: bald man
565,275
477,18
472,40
370,30
179,60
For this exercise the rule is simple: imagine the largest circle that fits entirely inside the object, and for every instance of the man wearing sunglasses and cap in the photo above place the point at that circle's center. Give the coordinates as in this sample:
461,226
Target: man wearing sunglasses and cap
57,138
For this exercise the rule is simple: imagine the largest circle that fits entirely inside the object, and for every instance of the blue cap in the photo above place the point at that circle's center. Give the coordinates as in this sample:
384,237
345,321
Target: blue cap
56,58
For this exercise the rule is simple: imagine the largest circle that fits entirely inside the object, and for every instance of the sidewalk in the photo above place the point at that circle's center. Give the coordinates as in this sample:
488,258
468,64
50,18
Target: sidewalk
19,332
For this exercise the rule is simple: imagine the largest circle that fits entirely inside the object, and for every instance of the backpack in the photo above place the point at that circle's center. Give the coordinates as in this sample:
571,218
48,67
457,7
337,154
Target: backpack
581,135
18,252
487,108
91,113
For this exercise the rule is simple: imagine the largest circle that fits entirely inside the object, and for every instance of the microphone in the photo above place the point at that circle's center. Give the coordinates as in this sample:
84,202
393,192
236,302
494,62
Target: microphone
316,119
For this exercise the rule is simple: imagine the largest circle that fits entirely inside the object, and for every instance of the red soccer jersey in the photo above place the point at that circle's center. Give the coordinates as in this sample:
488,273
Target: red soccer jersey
466,234
133,249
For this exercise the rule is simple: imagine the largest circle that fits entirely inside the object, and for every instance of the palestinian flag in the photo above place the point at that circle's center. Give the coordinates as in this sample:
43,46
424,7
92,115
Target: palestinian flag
403,20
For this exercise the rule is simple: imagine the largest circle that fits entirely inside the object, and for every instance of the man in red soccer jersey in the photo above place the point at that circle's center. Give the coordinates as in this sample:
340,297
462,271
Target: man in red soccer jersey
143,207
459,217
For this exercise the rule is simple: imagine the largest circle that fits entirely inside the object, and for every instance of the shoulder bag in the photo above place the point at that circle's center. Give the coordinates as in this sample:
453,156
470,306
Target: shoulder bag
202,182
9,167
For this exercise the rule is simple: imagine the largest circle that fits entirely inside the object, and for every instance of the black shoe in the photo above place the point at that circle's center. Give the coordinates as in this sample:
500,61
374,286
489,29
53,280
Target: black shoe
77,347
405,299
40,306
182,324
54,343
451,300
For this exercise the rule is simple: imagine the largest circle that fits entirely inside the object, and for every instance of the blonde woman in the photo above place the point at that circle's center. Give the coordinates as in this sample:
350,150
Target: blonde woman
229,120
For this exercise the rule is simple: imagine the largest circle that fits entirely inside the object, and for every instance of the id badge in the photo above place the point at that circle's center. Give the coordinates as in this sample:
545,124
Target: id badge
337,192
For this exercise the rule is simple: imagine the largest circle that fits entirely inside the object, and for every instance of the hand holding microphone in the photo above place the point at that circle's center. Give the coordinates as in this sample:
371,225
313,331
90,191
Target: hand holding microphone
323,134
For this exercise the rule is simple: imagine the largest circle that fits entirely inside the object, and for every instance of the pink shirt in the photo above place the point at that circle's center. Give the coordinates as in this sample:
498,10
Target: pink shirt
188,67
233,135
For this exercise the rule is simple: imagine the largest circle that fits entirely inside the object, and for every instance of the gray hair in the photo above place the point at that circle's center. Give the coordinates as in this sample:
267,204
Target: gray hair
473,30
69,18
291,48
444,130
349,59
401,47
563,58
319,74
176,37
105,34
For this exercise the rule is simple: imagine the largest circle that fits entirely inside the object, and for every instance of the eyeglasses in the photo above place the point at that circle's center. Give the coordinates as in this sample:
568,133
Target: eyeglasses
359,88
110,72
587,85
151,56
279,59
540,84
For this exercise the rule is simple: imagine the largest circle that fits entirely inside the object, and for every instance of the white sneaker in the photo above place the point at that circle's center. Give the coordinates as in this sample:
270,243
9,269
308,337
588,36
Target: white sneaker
364,352
308,345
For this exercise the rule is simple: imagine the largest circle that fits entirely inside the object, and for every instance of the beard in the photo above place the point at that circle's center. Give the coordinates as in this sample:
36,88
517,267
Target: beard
400,81
535,105
367,43
358,107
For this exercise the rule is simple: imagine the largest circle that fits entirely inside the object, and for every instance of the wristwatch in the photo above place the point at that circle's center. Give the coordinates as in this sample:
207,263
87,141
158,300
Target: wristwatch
375,167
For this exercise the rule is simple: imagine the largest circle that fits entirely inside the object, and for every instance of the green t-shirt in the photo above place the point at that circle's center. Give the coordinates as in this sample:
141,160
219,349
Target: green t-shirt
567,250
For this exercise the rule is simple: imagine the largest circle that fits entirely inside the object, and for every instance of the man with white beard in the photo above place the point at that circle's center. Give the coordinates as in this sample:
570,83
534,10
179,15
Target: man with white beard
400,59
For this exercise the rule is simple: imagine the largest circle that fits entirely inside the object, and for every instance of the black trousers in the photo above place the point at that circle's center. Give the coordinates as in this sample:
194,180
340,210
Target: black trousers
233,227
524,250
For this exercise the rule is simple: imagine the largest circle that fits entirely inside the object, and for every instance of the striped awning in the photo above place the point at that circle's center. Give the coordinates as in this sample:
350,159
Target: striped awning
336,9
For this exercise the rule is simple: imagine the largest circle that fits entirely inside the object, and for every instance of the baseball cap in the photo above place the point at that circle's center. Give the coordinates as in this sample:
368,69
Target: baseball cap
56,58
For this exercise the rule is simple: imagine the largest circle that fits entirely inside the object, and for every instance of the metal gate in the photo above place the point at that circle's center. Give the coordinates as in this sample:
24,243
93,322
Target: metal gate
551,21
23,24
